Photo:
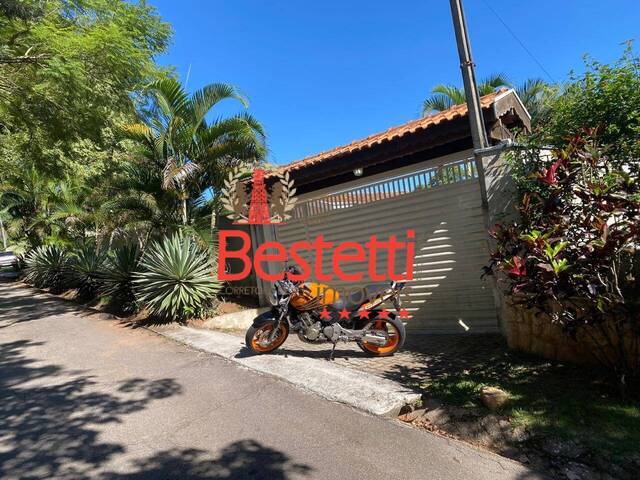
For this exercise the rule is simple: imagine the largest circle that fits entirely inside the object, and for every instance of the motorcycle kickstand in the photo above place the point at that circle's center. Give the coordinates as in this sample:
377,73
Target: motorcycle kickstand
333,349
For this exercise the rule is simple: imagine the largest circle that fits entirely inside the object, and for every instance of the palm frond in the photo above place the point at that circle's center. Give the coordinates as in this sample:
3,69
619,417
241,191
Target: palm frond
138,132
175,175
171,96
451,91
530,89
203,100
238,130
493,81
436,103
444,97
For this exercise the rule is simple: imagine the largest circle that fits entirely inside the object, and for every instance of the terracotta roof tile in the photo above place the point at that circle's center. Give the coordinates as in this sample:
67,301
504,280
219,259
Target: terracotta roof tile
392,133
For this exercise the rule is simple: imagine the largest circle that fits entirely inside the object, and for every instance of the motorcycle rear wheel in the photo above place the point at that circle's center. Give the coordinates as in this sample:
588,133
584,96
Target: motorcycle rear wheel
396,336
256,336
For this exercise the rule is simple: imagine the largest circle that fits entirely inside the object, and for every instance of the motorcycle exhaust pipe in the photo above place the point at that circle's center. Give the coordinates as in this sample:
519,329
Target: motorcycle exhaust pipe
376,339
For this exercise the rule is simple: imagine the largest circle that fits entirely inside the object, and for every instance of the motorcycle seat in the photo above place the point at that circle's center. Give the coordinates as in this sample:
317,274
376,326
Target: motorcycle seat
356,298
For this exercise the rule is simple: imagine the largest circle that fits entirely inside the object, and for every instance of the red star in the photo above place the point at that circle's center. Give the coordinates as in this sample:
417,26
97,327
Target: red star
364,313
384,313
404,314
344,313
325,315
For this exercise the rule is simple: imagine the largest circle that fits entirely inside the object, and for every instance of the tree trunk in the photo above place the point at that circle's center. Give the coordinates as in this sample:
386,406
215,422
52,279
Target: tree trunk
4,235
184,210
183,198
215,213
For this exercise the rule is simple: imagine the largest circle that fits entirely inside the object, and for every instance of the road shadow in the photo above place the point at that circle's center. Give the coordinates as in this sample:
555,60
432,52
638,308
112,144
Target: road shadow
22,308
18,305
245,459
50,416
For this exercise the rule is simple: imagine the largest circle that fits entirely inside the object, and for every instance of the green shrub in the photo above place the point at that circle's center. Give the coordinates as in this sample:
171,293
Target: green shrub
85,270
573,251
47,267
117,277
176,279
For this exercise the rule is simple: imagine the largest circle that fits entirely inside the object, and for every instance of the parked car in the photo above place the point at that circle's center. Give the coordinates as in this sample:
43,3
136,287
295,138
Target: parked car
7,259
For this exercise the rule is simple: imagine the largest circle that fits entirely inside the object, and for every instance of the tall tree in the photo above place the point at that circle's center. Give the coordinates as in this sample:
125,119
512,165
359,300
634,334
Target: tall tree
181,139
69,70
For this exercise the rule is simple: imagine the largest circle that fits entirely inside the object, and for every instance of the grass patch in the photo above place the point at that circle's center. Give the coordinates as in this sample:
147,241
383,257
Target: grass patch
565,401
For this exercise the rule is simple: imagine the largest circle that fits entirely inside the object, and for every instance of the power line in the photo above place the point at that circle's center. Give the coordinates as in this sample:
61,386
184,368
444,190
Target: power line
524,47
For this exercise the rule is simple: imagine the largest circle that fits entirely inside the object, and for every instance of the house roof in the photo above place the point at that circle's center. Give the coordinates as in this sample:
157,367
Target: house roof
393,133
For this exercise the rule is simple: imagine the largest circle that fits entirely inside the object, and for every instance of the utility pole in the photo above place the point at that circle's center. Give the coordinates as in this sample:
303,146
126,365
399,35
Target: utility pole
476,121
478,133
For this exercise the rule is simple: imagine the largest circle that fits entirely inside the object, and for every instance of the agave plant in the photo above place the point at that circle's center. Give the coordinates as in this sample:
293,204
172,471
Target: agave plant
176,279
117,277
47,267
85,271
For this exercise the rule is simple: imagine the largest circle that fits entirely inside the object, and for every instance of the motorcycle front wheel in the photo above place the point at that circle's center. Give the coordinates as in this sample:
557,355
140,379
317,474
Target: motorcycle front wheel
395,332
257,338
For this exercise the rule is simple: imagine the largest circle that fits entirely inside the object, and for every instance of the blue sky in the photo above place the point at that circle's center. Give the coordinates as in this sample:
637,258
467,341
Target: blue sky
320,74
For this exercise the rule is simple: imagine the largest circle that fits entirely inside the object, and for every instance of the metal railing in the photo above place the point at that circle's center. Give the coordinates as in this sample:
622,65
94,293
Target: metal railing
447,174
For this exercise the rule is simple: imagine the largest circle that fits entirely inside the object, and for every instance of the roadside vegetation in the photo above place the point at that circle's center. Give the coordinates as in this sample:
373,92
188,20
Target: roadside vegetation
111,170
572,257
573,252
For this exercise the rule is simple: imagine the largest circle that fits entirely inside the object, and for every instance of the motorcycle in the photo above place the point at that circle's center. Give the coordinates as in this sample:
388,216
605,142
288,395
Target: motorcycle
317,314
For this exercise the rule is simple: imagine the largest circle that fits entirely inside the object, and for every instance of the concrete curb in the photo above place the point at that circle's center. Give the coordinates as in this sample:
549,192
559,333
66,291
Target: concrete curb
360,390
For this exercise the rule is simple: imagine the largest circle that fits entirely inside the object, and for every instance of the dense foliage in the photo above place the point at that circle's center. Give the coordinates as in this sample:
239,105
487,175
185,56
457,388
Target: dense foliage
192,152
606,99
103,152
117,277
574,251
69,71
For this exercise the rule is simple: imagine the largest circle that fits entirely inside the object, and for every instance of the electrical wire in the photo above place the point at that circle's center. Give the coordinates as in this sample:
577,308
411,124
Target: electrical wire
524,47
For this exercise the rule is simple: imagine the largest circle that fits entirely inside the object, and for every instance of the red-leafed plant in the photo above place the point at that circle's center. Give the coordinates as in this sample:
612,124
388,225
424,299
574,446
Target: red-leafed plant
574,252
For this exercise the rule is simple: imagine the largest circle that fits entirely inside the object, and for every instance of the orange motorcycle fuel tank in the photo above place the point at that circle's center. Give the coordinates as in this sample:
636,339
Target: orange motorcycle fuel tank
314,295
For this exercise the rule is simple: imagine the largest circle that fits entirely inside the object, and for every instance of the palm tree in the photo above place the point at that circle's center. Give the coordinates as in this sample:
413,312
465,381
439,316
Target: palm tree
29,199
533,92
444,97
180,139
536,94
137,207
42,210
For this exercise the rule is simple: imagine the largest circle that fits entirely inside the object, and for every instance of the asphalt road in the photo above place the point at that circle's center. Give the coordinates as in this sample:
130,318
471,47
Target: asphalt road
83,397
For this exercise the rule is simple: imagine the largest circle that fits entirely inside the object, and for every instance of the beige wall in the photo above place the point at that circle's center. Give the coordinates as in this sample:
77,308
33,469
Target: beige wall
451,247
